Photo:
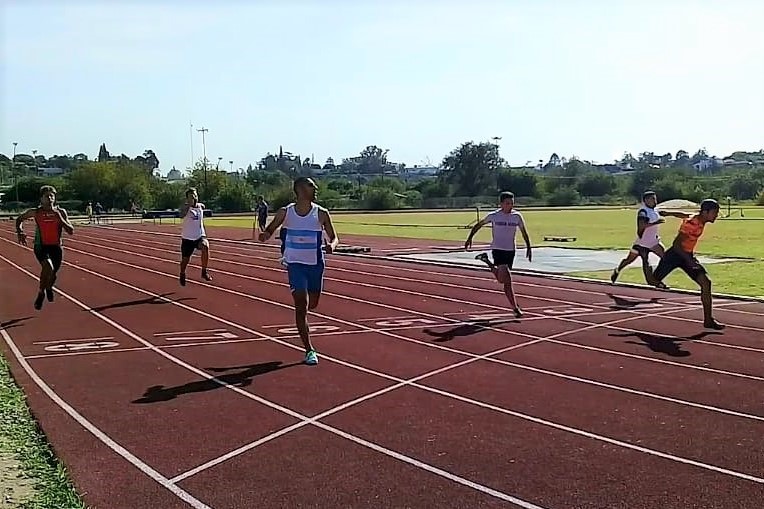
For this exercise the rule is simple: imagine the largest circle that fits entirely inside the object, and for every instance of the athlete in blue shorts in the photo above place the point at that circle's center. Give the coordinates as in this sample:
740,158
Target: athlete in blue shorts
304,223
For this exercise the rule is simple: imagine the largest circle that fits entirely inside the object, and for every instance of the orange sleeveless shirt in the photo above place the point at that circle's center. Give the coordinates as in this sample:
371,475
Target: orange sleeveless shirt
48,231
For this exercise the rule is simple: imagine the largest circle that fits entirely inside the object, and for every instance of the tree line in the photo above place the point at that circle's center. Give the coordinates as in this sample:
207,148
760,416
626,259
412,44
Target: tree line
472,174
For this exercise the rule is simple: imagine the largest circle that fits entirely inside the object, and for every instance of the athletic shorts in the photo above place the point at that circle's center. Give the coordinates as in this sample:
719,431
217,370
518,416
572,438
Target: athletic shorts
54,253
501,257
188,246
642,251
305,277
262,221
673,261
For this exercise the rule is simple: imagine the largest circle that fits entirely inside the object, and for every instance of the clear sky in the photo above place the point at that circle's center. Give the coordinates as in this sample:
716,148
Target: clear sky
576,77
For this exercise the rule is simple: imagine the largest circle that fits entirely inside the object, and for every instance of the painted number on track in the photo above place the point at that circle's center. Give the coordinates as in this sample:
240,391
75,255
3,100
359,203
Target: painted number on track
490,316
74,347
567,311
313,328
405,322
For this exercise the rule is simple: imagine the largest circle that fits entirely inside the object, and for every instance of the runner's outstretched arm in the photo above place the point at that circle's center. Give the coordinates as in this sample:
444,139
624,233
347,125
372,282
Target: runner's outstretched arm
277,220
28,214
326,222
475,229
64,217
527,239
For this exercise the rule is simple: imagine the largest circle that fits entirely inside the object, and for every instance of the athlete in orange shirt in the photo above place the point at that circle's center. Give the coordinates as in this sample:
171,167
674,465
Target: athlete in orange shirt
50,221
681,255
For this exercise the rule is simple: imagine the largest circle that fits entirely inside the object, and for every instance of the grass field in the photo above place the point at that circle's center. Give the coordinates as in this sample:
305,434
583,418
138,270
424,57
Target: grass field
30,475
602,229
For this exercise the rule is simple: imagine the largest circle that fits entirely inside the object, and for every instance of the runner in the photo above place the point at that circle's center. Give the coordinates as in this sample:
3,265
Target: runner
681,255
193,236
261,210
505,221
303,223
648,240
50,220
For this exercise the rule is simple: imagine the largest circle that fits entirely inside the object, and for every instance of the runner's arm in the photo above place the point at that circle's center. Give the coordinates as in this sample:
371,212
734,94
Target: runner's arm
277,220
680,215
19,226
65,221
28,214
183,210
326,222
475,229
527,240
643,222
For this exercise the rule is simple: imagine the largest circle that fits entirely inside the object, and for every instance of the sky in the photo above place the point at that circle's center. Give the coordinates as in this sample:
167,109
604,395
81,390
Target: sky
585,78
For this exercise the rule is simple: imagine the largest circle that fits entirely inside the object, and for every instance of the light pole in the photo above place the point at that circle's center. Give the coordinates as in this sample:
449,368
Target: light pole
13,171
204,130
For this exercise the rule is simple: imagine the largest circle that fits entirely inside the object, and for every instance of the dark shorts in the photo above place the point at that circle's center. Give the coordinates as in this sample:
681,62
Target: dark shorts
187,246
642,251
262,221
54,253
673,261
501,257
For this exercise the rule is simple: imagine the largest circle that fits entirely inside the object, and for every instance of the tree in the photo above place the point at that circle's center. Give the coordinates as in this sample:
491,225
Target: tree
472,168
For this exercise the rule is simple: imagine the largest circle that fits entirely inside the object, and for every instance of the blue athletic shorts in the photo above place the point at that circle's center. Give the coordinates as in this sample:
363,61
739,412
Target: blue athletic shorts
306,277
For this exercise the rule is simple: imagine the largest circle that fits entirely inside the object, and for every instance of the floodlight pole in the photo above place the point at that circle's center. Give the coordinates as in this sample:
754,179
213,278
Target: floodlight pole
204,130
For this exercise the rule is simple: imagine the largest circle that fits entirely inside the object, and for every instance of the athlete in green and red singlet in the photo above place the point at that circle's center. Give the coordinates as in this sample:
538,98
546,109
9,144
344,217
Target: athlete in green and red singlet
50,221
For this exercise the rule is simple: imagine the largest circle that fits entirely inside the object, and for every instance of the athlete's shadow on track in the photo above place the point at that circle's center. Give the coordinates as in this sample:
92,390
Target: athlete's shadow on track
16,322
465,329
626,303
139,302
242,378
663,344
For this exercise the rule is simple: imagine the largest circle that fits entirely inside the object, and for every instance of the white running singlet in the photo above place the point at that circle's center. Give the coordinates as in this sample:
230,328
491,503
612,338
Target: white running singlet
303,236
650,237
193,224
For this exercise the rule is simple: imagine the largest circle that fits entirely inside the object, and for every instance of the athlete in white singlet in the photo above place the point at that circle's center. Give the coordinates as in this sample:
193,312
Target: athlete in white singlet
648,238
303,224
505,221
192,235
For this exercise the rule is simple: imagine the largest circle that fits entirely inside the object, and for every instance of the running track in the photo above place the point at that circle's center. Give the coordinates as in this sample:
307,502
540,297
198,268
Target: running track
428,394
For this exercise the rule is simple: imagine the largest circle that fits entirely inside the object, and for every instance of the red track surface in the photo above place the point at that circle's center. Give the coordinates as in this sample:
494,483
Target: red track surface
428,393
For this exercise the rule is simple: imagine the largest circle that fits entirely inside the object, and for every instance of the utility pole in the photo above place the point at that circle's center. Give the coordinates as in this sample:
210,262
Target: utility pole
204,130
13,171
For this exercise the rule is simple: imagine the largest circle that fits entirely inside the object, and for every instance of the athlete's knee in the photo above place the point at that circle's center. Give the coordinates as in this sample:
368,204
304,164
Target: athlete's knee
704,282
313,300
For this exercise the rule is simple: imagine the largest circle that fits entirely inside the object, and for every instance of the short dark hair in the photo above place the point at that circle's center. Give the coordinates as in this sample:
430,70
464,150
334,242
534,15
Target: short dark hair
47,189
506,195
190,190
647,194
303,180
709,205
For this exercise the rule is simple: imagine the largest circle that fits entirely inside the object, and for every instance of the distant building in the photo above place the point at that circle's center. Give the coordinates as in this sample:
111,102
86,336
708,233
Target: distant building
51,172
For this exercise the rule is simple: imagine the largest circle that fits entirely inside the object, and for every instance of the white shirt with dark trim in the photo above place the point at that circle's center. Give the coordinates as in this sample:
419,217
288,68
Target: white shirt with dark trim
504,228
650,236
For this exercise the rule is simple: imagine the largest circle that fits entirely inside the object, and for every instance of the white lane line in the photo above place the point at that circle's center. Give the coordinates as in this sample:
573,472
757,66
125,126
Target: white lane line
338,408
370,445
100,435
455,396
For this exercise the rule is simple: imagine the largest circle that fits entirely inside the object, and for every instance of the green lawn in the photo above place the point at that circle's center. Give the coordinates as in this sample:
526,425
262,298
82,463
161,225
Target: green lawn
610,228
28,468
